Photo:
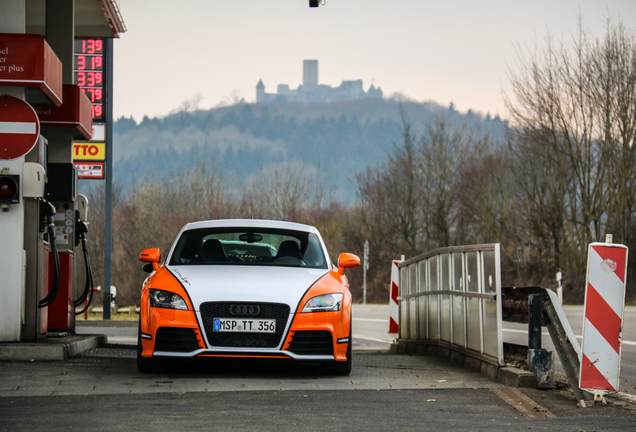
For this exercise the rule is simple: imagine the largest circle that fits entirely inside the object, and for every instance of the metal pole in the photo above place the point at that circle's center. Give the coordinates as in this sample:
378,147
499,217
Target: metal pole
365,268
535,312
108,176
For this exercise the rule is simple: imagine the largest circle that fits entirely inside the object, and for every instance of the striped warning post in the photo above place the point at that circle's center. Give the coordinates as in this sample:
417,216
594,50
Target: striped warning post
394,309
604,305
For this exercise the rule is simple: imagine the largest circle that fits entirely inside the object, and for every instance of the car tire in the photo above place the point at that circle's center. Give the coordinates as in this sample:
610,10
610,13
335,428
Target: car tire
146,364
341,368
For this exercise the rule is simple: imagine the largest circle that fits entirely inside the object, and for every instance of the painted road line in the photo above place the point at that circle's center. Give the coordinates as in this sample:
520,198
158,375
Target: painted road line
632,343
372,339
526,332
371,320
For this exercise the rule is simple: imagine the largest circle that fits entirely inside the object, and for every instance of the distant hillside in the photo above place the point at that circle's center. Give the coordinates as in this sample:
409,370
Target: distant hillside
341,138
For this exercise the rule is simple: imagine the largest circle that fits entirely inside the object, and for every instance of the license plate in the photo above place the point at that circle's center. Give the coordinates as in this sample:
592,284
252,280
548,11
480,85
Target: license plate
245,325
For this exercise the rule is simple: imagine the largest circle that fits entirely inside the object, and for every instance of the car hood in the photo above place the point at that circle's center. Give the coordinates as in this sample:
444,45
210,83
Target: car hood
246,283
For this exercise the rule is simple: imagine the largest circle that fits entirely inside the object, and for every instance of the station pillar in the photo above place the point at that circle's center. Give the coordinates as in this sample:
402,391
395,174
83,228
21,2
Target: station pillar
12,254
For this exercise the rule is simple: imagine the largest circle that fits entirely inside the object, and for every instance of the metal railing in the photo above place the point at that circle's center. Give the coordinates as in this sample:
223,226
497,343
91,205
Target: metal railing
450,296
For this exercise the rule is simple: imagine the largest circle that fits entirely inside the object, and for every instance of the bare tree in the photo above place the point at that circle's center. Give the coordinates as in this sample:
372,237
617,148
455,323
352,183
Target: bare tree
392,205
283,190
613,66
445,152
573,112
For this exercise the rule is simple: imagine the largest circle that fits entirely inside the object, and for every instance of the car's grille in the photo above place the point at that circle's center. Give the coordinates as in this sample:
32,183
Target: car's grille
212,310
174,339
318,342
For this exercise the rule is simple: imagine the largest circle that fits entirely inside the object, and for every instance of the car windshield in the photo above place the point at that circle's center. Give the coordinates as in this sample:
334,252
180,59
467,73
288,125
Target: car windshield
249,246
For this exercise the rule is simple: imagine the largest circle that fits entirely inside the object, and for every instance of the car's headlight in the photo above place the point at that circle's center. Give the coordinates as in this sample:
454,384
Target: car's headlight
166,299
324,303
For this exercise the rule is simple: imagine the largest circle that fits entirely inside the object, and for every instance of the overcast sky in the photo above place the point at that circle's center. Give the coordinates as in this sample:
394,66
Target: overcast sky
442,51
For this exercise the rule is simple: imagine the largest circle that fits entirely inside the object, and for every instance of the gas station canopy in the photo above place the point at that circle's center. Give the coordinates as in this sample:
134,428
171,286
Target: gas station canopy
93,18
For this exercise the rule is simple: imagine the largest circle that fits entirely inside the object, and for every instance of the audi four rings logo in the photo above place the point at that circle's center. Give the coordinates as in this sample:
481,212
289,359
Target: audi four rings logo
245,310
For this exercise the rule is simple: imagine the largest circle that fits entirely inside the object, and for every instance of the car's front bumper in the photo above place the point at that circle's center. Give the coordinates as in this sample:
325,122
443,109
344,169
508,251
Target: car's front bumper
181,334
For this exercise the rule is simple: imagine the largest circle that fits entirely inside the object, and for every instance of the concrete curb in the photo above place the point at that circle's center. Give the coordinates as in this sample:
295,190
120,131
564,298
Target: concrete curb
514,377
50,349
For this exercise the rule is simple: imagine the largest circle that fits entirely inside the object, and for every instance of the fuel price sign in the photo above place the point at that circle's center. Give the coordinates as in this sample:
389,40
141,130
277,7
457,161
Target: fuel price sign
90,73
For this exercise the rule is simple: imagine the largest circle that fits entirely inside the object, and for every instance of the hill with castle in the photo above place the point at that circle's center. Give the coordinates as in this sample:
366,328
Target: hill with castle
339,131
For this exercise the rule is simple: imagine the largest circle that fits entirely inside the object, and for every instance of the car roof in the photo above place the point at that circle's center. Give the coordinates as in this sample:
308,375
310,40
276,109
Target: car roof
255,223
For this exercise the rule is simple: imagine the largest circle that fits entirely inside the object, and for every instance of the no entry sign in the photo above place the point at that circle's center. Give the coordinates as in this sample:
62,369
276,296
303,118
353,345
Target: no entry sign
19,127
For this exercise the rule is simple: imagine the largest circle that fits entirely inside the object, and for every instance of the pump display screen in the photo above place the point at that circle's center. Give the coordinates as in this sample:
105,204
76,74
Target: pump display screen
90,73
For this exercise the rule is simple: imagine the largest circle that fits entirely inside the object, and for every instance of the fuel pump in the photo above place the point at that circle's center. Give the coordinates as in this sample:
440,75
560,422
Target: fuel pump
45,277
38,232
61,192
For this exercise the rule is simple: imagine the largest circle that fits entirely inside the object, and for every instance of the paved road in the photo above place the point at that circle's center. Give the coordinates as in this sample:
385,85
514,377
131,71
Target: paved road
370,327
370,324
114,371
102,390
304,410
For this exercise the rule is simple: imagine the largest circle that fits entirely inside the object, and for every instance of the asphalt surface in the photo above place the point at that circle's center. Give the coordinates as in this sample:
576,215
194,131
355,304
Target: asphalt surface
311,410
101,389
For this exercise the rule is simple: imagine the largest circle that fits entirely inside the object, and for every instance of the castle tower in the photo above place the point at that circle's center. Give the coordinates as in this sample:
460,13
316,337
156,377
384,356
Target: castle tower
260,92
310,75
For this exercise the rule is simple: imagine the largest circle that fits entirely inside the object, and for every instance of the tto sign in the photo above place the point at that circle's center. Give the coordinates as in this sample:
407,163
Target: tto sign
89,151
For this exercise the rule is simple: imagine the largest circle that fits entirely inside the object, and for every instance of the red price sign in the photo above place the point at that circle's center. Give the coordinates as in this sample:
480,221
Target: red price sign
89,46
89,73
88,62
89,79
94,94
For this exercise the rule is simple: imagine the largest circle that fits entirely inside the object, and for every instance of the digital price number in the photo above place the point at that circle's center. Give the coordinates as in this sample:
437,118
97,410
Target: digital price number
90,74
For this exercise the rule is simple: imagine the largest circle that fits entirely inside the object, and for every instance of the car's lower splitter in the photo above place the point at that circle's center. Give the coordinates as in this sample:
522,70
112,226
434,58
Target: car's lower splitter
242,355
246,354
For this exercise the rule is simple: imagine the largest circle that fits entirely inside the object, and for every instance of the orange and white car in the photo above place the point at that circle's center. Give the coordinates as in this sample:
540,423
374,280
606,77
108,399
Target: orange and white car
246,288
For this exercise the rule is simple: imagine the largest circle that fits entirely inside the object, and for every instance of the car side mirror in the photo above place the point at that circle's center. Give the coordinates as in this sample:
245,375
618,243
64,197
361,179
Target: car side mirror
151,256
347,260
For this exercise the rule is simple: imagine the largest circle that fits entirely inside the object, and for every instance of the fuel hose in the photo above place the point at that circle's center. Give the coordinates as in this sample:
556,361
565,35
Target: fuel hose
50,297
88,287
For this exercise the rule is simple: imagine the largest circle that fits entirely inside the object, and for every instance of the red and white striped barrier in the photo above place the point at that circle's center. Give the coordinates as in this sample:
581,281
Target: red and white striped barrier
604,305
394,309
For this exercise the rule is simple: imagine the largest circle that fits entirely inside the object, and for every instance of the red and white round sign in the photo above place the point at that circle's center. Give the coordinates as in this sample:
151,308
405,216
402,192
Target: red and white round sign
19,127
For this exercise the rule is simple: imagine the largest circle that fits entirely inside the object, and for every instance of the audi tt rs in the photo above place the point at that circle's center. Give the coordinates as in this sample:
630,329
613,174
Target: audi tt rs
246,289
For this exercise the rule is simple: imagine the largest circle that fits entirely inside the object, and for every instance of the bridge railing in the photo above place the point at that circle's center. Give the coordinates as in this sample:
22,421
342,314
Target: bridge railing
449,297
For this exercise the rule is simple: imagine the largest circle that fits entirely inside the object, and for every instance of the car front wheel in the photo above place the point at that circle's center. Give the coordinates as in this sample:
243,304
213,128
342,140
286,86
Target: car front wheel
341,368
146,364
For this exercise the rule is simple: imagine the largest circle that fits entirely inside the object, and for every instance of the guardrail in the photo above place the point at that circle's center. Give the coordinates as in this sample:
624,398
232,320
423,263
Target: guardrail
448,299
452,304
